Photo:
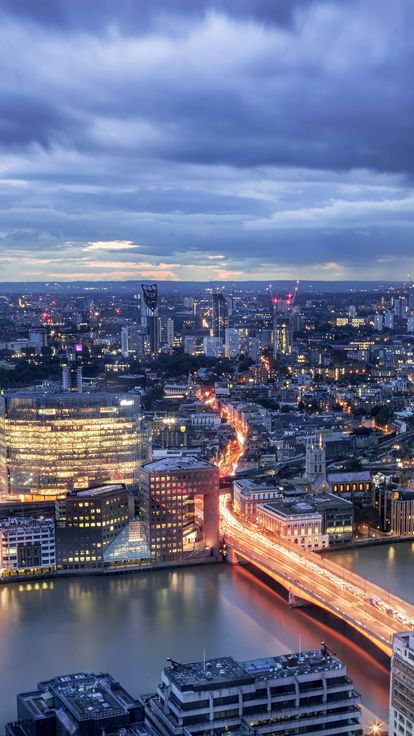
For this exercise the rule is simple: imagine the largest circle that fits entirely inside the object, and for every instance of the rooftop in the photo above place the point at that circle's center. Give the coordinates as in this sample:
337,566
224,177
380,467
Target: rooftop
217,671
89,696
99,490
29,522
307,503
360,475
226,671
292,507
176,463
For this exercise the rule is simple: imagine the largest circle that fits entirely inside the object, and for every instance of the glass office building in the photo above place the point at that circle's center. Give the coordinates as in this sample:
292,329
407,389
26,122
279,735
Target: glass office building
53,442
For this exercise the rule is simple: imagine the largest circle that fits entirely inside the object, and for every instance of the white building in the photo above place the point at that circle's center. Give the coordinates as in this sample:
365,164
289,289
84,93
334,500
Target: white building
27,546
231,342
401,712
295,521
190,344
247,494
207,420
176,390
213,347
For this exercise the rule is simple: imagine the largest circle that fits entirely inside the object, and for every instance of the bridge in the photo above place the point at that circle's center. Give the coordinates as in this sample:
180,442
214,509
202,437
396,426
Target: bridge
309,578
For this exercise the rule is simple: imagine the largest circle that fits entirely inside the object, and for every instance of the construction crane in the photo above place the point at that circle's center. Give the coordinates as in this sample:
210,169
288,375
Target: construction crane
289,300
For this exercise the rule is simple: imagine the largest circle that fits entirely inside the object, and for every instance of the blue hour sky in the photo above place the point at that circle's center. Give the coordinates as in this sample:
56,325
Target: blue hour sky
197,139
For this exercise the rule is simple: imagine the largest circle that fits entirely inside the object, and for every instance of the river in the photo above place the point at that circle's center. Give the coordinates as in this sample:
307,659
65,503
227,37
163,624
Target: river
389,565
128,625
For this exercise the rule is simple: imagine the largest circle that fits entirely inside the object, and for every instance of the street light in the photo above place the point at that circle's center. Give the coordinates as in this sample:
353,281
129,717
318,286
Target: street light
375,728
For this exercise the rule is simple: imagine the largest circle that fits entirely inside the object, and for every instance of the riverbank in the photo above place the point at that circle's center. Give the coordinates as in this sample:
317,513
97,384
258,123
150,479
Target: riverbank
361,543
108,572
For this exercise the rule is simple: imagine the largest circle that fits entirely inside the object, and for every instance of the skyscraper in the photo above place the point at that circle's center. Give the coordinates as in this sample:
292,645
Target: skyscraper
282,335
411,296
133,340
149,315
71,366
220,315
167,331
231,342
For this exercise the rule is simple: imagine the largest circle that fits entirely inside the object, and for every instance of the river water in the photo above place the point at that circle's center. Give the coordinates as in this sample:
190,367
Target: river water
128,625
389,565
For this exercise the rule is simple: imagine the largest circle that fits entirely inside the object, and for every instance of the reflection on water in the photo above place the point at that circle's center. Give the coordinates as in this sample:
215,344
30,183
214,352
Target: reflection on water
390,566
128,625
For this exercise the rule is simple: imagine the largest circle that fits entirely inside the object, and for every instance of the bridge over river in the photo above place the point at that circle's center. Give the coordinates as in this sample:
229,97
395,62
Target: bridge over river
372,611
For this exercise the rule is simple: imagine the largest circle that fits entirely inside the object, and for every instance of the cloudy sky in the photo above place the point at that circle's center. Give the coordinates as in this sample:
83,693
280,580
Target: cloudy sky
197,139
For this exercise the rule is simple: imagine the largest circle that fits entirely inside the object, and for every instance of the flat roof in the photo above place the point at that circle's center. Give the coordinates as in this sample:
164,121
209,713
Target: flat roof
176,463
14,522
307,504
89,696
291,508
226,671
213,671
98,491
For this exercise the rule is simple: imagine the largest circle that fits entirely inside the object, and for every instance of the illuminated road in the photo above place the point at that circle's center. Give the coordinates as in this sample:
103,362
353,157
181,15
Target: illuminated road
368,608
372,611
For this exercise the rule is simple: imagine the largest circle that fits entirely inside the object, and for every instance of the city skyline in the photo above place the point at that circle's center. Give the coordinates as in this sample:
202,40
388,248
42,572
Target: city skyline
189,141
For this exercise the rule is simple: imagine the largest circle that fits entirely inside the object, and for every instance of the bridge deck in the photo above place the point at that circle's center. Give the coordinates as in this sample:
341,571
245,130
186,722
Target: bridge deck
368,608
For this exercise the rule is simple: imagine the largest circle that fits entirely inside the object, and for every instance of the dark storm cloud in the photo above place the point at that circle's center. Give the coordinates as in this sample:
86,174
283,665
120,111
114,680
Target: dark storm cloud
141,15
277,134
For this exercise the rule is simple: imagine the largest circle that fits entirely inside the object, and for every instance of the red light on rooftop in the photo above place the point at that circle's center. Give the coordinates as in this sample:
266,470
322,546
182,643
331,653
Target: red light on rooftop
275,300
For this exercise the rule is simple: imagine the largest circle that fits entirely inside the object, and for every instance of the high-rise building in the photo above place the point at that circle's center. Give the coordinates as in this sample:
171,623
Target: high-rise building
38,338
188,303
149,315
27,547
282,333
87,522
190,344
411,296
133,340
253,348
179,498
213,347
231,342
71,366
305,693
401,712
220,315
154,333
53,442
167,331
379,322
389,320
400,306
